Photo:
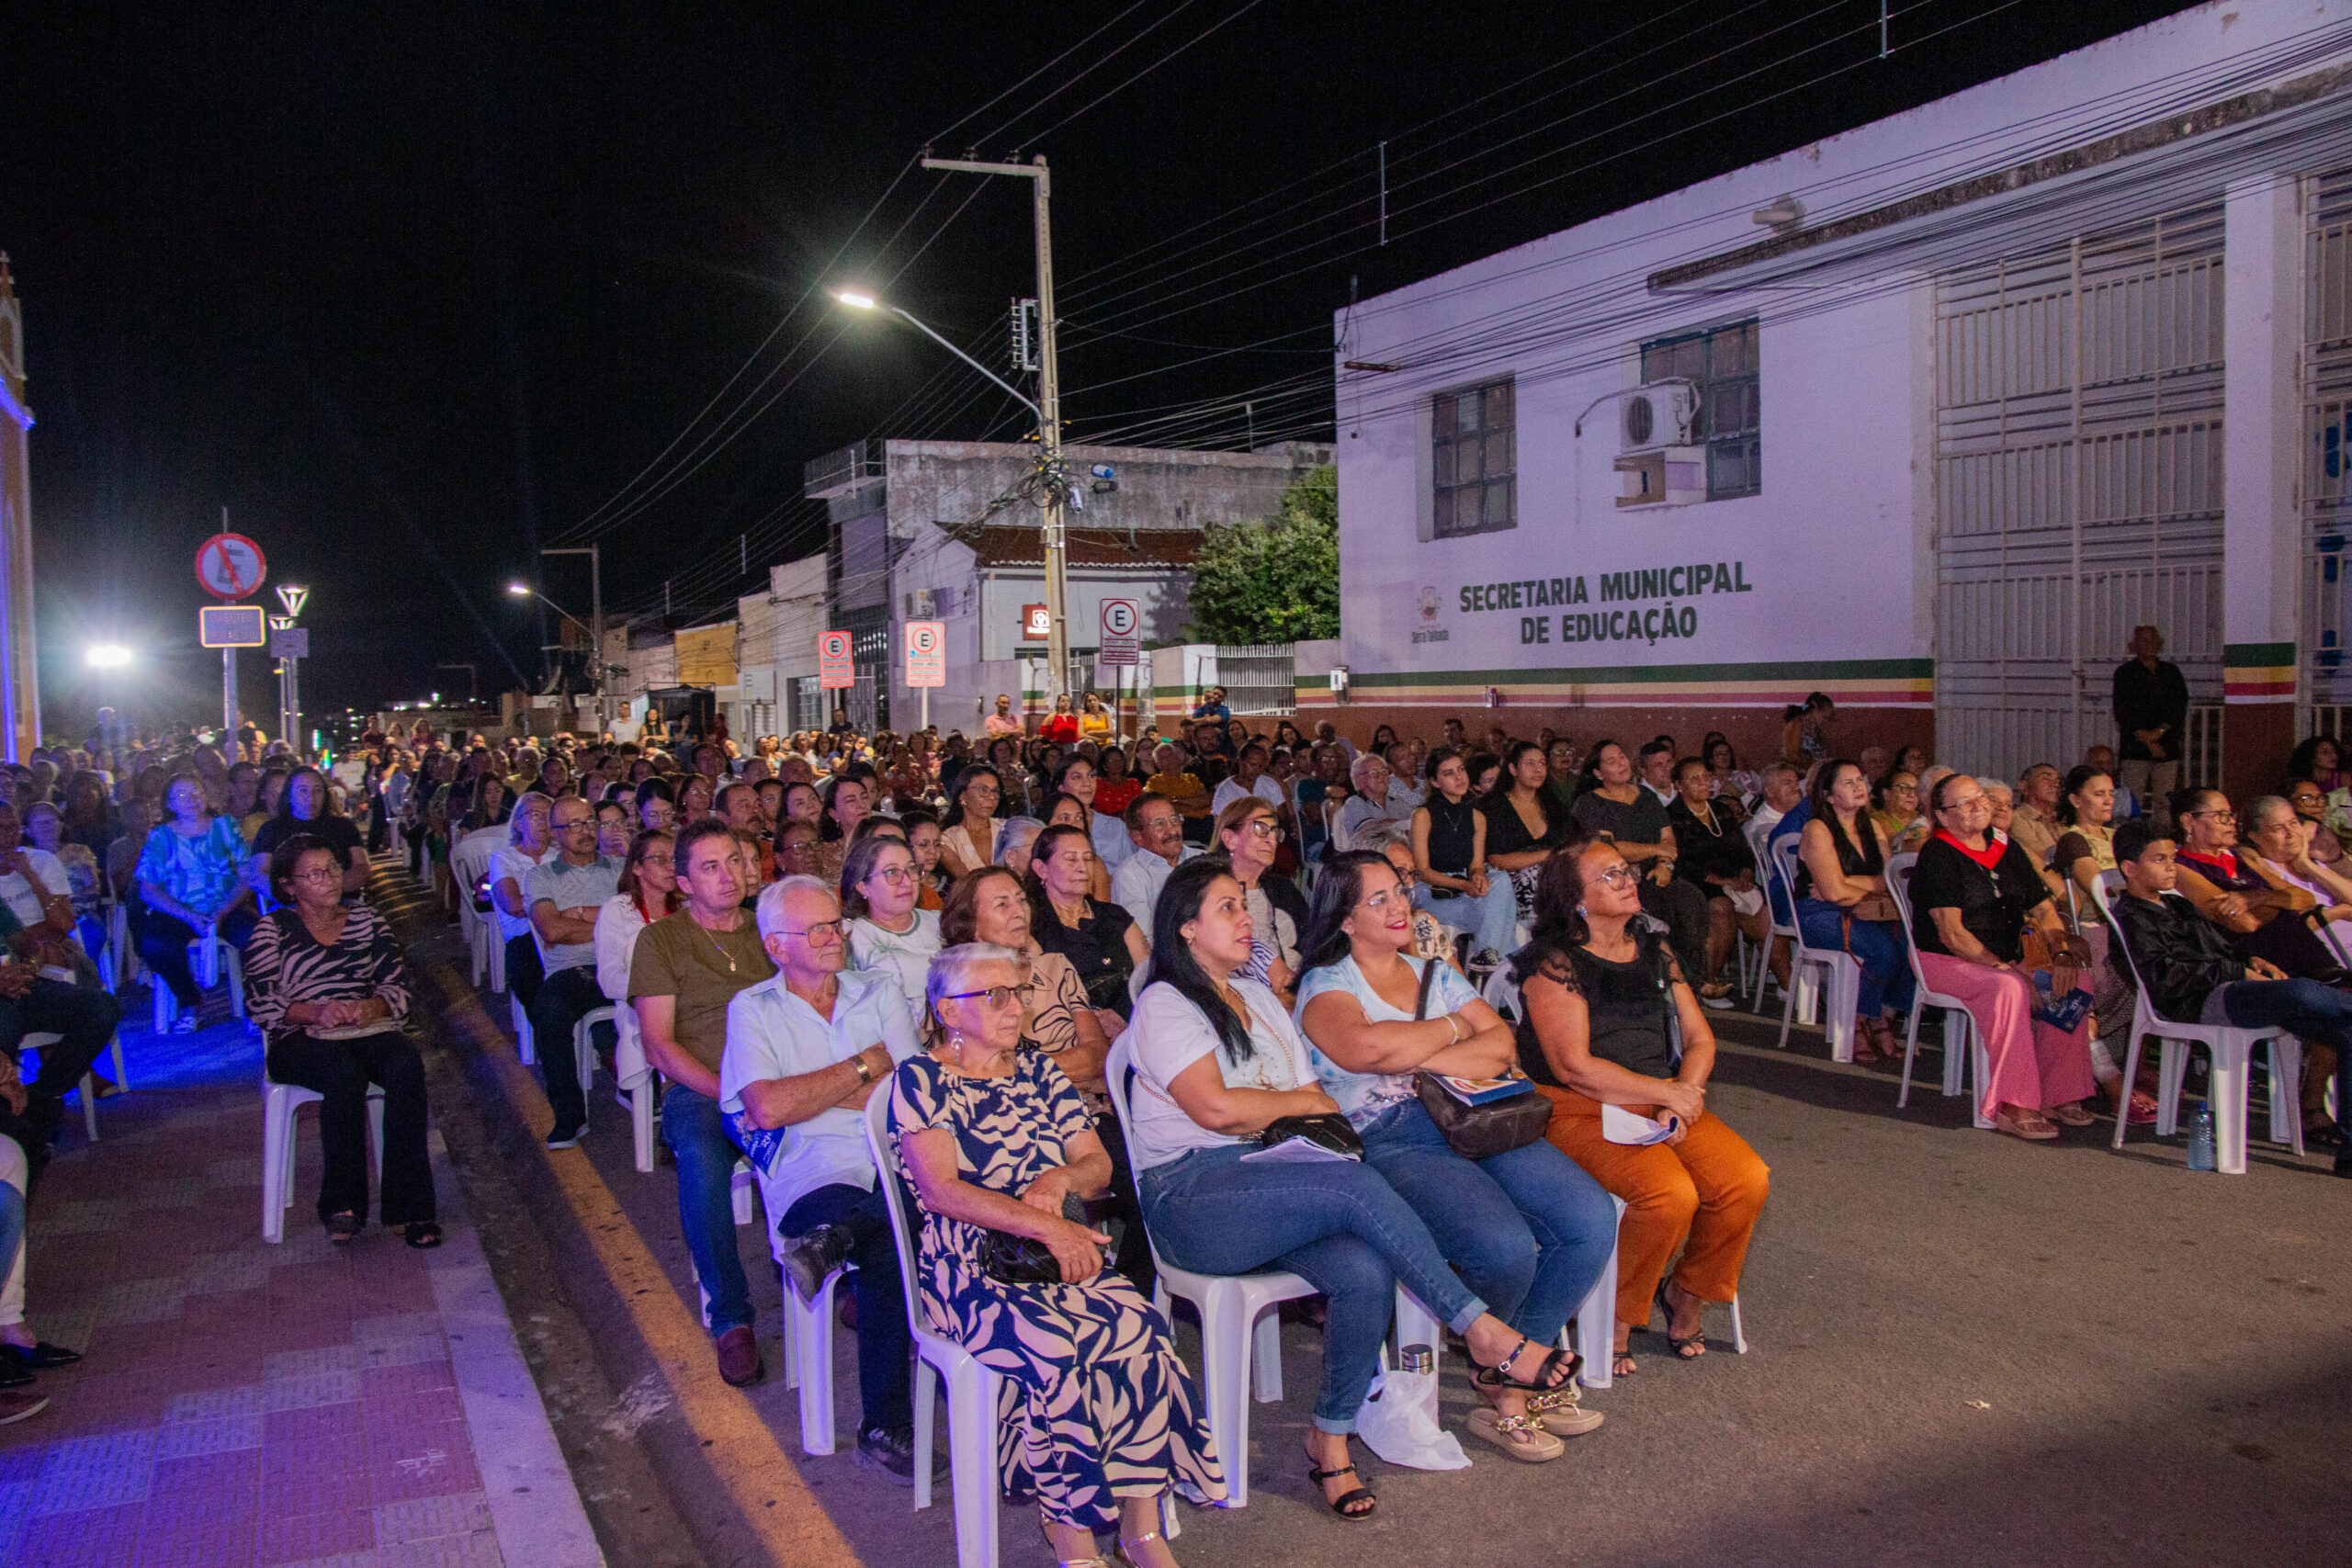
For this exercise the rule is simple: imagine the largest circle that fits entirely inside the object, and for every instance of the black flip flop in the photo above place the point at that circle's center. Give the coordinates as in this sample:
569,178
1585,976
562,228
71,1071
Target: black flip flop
1700,1338
421,1233
1495,1377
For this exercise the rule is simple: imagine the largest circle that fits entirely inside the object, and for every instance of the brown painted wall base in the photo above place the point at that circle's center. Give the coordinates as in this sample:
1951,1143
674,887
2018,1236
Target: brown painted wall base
2256,739
1754,733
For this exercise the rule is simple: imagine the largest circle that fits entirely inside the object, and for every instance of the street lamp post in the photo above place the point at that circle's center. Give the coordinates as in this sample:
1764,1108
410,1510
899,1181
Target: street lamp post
525,591
1047,407
596,631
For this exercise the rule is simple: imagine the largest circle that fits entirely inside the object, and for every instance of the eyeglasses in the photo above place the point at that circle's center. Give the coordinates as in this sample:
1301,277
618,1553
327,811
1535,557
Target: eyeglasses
2309,799
828,931
319,873
995,996
1266,828
2226,818
894,874
1384,899
1618,876
667,862
1156,824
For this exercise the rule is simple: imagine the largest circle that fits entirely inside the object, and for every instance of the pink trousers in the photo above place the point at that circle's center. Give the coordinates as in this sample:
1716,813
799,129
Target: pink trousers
2032,1063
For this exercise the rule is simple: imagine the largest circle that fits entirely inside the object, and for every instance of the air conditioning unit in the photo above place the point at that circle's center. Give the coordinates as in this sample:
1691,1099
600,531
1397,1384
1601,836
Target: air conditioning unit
1655,416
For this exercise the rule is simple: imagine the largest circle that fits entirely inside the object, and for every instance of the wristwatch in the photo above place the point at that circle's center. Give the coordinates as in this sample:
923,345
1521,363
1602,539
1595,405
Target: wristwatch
864,1073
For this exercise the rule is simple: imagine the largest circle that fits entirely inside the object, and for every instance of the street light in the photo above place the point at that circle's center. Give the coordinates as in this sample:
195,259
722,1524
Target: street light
857,300
108,656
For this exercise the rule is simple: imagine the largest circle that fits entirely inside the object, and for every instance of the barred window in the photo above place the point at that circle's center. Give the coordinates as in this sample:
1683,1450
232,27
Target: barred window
1723,363
1473,462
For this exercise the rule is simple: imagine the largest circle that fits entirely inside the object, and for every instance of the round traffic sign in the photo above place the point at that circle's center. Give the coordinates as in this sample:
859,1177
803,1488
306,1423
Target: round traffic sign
833,645
230,566
922,637
1118,617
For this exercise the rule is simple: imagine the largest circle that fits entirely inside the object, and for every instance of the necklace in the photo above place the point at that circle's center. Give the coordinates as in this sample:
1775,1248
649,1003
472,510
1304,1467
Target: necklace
715,946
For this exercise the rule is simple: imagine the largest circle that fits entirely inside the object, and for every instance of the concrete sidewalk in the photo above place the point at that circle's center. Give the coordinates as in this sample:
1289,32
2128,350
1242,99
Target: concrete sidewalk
244,1403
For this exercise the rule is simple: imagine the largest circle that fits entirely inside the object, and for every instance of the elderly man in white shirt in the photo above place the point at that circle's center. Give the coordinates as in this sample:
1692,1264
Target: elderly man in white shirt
804,1050
1158,834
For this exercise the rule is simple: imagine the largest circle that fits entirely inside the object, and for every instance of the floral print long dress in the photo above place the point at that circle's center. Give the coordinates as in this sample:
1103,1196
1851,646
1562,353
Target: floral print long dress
1096,1404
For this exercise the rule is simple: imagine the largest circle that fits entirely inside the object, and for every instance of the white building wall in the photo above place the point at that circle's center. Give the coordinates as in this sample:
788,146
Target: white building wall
1834,580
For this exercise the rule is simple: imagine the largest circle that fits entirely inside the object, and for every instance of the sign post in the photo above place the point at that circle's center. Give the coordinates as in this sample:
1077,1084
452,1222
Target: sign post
1119,644
231,566
926,660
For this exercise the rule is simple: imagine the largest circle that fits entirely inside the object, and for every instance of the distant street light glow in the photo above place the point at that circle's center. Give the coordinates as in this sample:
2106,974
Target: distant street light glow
854,300
109,656
520,591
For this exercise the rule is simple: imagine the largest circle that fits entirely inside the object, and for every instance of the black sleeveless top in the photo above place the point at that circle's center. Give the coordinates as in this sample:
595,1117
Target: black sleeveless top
1627,1005
1850,858
1453,834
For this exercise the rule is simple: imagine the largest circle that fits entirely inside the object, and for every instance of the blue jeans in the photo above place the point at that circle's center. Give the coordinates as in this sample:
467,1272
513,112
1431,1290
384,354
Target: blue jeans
1530,1230
1494,920
1887,985
2305,1009
707,1156
1339,1225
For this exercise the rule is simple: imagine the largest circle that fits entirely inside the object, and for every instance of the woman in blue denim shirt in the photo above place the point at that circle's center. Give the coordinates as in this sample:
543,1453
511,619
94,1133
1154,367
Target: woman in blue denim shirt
1528,1229
1216,1061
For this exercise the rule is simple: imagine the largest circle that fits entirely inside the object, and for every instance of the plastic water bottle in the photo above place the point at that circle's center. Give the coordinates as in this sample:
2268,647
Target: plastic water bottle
2200,1138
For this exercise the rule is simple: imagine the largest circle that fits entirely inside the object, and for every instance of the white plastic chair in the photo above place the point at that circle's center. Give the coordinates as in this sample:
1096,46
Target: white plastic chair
212,957
2231,1050
468,862
118,943
972,1389
584,1046
279,1102
634,1081
1800,983
808,1338
1842,970
523,1042
88,1088
1964,1042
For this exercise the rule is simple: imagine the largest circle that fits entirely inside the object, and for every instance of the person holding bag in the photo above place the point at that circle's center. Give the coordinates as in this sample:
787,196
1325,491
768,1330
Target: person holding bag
1218,1068
1528,1230
1609,1022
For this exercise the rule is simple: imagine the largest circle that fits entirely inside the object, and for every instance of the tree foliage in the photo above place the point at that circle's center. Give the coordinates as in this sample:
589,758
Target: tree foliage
1275,580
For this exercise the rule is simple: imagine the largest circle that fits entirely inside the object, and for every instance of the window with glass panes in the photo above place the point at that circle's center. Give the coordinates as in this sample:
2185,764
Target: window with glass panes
1473,462
1723,365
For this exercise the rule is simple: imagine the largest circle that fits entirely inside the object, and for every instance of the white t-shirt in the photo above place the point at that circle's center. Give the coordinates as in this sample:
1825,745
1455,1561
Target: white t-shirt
17,893
1168,1034
1136,886
905,956
1268,788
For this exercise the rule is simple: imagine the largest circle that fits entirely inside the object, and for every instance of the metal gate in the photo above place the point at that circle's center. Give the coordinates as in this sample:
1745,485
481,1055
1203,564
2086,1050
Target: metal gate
2078,489
2327,453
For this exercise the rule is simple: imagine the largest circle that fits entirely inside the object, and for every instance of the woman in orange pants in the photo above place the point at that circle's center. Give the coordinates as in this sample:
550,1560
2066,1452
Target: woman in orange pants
1610,1020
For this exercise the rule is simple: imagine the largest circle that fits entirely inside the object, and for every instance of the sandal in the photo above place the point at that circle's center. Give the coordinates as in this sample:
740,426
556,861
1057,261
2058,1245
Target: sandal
1561,1412
1498,1375
2142,1109
341,1227
2031,1125
1521,1436
1341,1505
421,1233
2069,1115
1691,1346
1622,1364
1127,1560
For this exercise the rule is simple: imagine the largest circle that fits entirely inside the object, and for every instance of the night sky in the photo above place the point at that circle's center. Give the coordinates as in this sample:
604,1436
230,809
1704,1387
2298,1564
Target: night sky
414,291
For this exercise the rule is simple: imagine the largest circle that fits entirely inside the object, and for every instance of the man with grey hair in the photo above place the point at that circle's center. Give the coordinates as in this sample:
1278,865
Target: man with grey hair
805,1049
1374,800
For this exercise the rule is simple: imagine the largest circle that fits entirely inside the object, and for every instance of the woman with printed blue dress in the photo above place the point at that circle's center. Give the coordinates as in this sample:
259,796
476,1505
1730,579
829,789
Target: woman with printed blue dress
1098,1416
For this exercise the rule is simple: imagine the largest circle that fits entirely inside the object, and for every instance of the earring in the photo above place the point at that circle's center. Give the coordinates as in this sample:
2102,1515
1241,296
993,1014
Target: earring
1579,908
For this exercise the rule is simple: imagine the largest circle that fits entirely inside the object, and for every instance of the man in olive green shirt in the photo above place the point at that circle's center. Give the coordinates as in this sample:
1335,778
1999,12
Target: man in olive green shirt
688,967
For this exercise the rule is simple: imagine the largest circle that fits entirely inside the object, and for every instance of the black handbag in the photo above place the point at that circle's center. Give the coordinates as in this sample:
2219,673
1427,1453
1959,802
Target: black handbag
1012,1259
1477,1131
1326,1129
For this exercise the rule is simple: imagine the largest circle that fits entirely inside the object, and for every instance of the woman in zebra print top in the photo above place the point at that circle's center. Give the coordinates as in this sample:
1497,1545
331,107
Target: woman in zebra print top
325,984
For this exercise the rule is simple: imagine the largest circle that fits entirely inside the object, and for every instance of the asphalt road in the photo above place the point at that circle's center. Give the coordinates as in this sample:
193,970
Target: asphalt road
1964,1350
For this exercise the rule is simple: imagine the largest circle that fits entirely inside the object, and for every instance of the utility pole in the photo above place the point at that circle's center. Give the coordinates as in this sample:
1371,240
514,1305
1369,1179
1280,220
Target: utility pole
596,627
1049,414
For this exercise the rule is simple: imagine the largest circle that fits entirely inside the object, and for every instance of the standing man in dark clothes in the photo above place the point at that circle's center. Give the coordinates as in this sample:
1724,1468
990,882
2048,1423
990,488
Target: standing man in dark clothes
2151,711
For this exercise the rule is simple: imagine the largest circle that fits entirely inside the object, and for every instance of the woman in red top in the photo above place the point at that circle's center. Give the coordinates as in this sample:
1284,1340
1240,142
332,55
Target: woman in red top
1115,788
1061,725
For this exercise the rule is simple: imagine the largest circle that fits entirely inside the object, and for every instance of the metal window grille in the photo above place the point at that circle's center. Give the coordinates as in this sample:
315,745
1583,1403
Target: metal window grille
1723,363
2079,487
2327,449
1474,461
1258,678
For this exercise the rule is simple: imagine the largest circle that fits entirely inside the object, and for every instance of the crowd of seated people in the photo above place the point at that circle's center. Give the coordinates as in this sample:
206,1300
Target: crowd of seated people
1276,921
